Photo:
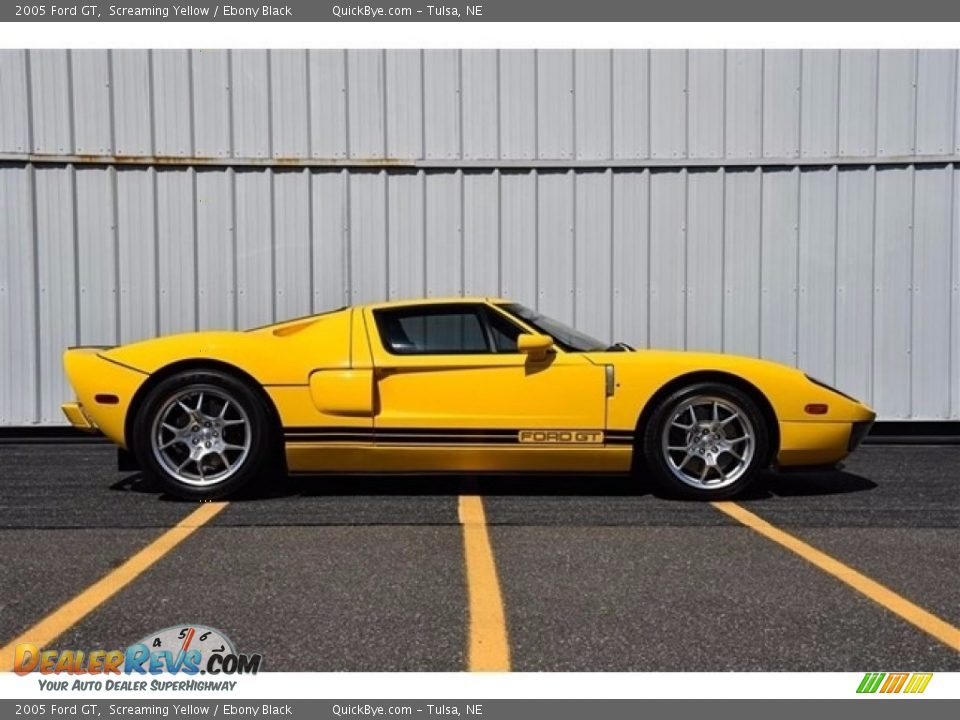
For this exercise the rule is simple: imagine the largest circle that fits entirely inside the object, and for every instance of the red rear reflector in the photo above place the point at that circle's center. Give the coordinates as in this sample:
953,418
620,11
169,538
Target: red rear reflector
816,409
106,399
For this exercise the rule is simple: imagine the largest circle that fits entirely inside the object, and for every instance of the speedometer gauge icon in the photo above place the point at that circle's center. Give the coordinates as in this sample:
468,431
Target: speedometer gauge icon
178,640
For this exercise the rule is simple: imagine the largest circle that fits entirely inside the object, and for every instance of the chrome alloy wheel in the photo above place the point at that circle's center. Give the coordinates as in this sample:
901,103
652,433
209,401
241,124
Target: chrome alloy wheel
708,442
201,436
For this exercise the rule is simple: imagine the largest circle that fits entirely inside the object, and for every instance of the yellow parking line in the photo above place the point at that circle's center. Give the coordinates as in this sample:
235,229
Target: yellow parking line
913,614
489,649
71,612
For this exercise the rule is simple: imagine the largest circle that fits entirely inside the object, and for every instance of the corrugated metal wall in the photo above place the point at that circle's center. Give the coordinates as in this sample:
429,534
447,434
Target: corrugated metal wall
800,206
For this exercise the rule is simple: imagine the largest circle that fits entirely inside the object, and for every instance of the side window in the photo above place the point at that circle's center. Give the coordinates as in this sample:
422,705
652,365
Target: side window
431,331
503,332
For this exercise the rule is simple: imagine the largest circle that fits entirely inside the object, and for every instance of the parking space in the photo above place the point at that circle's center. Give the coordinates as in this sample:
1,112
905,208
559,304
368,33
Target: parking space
590,572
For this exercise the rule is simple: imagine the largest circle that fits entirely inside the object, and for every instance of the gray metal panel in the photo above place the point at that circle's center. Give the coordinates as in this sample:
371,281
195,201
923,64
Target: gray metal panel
593,122
449,105
97,255
593,253
931,275
744,106
704,318
781,103
215,273
518,108
14,120
368,226
480,104
211,93
631,104
93,121
631,257
292,242
668,104
19,326
57,286
858,103
406,272
443,234
250,90
893,303
441,104
405,121
819,288
518,237
365,105
741,263
173,103
481,234
132,102
289,104
706,96
136,250
896,103
328,103
254,258
331,259
820,98
956,109
936,101
863,298
177,249
555,104
51,101
860,273
778,266
554,245
668,239
855,313
955,297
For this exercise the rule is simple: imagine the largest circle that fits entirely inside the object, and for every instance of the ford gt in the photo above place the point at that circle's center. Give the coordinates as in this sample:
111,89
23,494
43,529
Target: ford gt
460,385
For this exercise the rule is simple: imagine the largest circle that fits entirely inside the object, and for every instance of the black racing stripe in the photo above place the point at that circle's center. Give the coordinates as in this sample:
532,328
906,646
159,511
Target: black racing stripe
327,429
425,436
327,438
400,439
436,440
403,431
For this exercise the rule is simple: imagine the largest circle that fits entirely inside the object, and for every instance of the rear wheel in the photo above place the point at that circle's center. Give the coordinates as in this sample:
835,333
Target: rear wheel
203,434
707,441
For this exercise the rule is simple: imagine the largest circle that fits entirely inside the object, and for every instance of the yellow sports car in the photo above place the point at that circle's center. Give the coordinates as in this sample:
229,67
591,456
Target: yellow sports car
457,385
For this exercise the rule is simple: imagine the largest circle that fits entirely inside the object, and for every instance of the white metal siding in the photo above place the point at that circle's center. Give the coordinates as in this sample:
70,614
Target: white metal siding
800,206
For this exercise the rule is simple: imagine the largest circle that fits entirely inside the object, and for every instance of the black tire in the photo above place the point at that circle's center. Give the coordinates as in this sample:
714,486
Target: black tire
247,412
707,434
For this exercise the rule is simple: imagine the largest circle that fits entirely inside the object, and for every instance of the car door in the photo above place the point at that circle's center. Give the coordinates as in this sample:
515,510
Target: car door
451,373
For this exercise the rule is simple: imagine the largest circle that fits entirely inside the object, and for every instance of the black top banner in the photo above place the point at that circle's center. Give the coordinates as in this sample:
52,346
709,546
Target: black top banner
480,11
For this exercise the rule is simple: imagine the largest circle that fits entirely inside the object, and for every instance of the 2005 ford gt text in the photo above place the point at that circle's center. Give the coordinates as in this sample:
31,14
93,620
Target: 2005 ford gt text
456,385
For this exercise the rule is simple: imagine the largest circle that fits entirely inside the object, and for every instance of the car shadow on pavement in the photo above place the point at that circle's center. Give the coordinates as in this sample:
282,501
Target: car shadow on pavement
768,485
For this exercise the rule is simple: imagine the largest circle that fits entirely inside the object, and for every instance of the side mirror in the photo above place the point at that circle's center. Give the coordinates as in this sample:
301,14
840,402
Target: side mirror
536,346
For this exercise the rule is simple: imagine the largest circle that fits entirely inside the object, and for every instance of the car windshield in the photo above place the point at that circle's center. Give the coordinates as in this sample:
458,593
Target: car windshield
563,335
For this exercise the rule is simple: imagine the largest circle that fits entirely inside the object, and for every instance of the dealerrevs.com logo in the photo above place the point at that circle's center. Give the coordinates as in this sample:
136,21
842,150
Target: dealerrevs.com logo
895,682
184,649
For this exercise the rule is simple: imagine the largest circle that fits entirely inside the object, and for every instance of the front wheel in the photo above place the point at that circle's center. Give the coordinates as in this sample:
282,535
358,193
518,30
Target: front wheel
203,434
707,442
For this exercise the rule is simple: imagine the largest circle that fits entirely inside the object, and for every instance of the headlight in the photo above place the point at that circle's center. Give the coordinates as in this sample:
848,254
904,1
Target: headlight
831,389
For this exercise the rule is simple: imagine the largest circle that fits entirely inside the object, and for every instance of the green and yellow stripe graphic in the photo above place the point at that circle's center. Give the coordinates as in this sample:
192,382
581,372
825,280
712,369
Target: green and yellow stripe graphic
894,682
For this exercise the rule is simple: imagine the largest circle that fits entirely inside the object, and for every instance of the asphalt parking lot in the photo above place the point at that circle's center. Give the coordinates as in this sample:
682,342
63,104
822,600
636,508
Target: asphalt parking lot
591,573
